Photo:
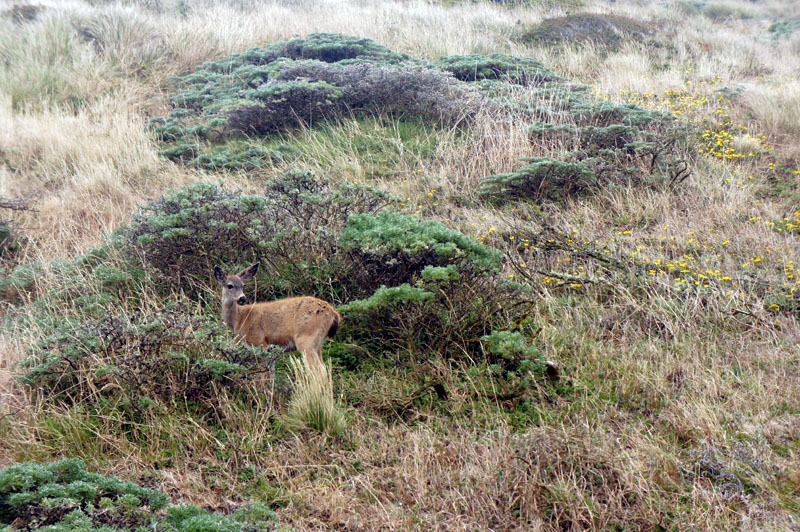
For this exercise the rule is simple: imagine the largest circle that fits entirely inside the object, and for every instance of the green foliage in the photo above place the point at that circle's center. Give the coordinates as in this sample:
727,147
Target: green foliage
606,30
542,178
167,356
300,82
443,312
327,47
63,497
38,495
392,248
295,225
512,357
186,232
784,28
476,67
605,144
278,106
84,278
387,298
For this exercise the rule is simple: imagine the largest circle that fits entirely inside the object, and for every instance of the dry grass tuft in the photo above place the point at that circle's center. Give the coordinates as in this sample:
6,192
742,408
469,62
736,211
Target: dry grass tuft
312,406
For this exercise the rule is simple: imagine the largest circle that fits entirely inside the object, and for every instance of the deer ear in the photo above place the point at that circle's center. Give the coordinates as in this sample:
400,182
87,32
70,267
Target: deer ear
250,272
220,275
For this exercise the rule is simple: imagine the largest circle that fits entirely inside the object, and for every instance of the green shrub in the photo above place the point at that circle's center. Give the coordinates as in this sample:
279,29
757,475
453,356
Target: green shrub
542,178
512,358
444,313
392,248
167,356
605,144
476,67
317,238
301,82
33,496
85,276
294,226
327,47
63,497
784,28
186,232
602,29
274,107
402,90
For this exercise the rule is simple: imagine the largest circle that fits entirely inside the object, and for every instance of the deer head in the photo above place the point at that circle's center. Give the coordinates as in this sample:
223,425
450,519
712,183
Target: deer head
233,285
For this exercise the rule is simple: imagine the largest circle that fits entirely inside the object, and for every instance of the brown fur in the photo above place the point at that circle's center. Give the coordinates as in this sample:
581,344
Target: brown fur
300,323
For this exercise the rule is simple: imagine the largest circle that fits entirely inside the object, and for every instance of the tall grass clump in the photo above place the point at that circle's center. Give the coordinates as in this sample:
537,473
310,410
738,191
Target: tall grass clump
45,63
312,406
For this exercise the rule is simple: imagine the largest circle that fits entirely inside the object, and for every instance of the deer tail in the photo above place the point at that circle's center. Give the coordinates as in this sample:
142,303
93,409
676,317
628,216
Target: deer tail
334,325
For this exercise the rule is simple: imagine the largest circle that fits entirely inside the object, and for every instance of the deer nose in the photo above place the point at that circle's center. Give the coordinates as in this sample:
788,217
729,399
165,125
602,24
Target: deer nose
242,300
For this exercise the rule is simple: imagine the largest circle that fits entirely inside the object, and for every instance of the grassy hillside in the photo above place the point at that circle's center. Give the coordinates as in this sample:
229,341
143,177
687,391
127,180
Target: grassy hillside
564,237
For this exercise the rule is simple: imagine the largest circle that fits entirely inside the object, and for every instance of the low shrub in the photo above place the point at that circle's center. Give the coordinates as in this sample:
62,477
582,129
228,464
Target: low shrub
302,82
603,144
137,360
784,28
183,234
477,67
541,179
33,496
330,241
445,313
294,226
513,359
63,497
603,29
391,248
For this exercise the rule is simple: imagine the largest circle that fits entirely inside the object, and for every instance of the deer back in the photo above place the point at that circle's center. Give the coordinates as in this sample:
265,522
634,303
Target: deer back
281,322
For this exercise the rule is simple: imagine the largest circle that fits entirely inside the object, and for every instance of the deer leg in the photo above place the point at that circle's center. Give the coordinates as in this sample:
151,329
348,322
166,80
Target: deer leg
310,347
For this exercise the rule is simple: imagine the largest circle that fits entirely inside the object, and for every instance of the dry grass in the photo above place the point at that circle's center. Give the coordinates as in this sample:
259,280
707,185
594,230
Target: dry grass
312,407
680,407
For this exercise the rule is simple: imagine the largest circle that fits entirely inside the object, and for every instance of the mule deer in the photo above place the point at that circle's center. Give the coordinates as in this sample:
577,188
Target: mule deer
297,323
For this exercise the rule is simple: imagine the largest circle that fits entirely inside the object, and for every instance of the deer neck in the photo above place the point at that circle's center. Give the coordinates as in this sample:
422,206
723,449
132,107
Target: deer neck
230,313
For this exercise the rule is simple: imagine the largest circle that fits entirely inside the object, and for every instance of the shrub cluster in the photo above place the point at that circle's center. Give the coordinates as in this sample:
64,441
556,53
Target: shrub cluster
497,66
138,360
406,283
224,108
220,107
294,227
603,29
392,248
541,178
63,497
603,144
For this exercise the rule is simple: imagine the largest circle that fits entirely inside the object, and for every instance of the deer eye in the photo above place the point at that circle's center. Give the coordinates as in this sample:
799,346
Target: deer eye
230,287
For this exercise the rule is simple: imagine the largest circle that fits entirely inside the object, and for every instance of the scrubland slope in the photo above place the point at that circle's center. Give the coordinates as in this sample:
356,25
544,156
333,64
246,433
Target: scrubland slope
601,336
